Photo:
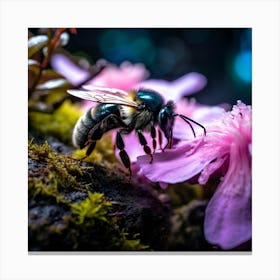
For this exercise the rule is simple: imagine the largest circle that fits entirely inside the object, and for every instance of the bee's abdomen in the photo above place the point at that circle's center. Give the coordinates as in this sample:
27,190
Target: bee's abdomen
91,119
82,128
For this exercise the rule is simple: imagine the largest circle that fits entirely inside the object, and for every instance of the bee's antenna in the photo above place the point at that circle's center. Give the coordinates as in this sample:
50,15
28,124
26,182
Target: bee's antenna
188,121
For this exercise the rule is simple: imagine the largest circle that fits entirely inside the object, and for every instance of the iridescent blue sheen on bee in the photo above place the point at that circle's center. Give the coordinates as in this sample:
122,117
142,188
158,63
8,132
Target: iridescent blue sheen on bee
152,100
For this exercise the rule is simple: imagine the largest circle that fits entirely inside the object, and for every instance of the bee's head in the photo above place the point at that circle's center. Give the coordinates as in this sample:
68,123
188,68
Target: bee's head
166,120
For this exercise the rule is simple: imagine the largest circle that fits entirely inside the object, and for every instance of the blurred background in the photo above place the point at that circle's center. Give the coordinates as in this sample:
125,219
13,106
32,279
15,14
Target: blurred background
223,55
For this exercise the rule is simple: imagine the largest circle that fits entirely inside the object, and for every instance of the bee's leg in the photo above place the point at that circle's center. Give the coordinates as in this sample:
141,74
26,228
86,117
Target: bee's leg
153,134
160,140
123,154
90,148
109,122
143,142
95,134
169,141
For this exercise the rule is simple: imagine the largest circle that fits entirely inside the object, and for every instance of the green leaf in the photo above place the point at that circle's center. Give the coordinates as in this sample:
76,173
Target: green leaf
36,43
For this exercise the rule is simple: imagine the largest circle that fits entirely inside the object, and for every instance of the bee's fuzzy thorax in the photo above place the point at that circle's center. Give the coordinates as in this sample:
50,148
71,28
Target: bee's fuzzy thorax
126,113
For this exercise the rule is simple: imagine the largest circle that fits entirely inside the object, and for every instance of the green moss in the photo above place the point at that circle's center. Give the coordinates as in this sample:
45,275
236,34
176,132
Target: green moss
56,171
95,206
59,124
47,186
62,164
130,244
93,212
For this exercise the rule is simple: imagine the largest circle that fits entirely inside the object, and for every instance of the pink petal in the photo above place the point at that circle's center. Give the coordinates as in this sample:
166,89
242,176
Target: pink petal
189,83
228,220
210,169
64,66
178,164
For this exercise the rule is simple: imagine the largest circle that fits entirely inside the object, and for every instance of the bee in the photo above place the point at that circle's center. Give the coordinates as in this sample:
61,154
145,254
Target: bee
138,110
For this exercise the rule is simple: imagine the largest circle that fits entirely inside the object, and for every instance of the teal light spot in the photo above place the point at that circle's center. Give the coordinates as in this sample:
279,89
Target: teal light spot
143,50
243,66
118,45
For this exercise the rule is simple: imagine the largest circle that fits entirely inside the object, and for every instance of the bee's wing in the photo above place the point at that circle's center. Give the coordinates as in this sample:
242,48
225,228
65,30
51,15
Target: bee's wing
104,95
105,89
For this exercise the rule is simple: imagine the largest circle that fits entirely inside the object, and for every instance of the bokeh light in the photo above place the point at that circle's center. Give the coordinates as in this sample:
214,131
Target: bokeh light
243,66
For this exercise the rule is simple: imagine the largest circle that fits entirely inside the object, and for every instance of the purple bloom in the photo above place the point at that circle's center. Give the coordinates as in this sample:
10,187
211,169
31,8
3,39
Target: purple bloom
224,152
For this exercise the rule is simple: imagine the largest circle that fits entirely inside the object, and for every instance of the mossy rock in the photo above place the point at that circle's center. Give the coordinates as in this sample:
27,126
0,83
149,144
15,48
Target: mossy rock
86,206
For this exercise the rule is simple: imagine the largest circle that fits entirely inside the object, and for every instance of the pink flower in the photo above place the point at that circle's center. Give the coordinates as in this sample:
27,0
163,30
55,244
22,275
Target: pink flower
124,77
225,152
